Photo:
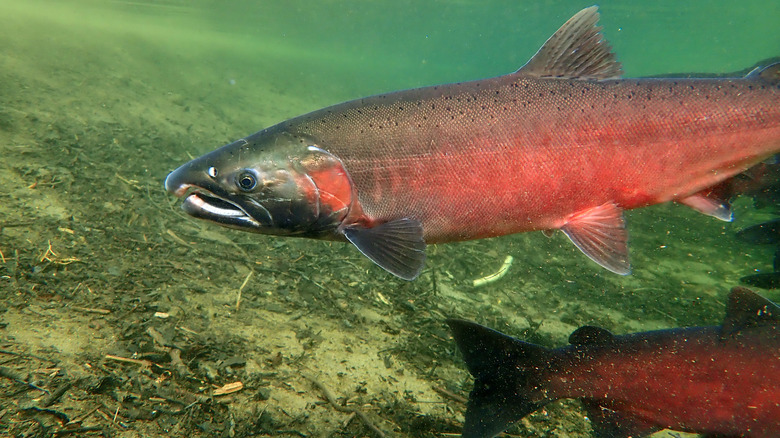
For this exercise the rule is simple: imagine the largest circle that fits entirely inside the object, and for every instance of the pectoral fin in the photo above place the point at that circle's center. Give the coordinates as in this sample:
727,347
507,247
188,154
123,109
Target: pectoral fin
600,232
396,246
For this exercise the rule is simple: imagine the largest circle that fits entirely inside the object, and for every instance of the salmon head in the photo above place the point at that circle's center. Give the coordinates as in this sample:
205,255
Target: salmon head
268,183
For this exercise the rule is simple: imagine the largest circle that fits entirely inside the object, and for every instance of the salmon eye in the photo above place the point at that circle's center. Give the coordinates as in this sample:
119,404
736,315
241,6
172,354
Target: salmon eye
246,181
212,172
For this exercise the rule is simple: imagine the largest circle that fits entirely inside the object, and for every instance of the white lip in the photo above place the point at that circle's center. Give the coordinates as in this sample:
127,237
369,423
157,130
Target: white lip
206,206
195,200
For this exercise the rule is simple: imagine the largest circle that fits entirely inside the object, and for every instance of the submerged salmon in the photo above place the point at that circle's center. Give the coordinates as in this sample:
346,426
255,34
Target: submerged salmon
717,381
560,144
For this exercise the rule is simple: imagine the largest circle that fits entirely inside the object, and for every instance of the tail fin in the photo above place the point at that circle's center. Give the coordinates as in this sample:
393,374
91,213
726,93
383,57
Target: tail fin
508,377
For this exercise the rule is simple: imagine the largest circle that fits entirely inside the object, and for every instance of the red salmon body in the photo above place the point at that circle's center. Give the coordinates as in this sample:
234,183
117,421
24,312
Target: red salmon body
562,143
716,381
513,154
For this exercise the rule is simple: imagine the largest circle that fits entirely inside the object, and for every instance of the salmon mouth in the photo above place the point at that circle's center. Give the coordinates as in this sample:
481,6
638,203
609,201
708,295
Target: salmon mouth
209,201
202,204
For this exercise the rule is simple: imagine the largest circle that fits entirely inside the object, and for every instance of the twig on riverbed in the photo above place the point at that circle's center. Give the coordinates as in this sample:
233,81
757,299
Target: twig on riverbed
344,409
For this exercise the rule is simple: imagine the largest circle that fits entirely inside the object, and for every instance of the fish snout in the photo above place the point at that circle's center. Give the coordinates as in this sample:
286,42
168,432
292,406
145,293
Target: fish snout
176,182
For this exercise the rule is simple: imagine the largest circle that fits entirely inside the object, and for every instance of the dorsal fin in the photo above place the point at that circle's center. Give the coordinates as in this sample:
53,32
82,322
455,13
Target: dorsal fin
589,335
748,310
577,50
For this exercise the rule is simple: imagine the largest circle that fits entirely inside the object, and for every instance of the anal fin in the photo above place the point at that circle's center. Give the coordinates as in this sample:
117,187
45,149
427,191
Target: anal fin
709,204
609,423
600,233
396,246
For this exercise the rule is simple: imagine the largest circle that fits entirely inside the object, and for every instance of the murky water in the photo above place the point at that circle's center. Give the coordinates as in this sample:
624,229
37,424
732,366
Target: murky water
100,268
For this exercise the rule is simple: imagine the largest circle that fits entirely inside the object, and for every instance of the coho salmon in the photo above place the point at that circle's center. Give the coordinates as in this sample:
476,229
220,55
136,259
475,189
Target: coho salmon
563,143
717,381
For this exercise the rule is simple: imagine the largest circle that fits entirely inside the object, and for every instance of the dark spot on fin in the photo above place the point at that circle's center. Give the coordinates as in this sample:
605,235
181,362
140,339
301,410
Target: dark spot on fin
709,204
769,74
609,423
589,335
746,310
576,51
508,381
396,246
600,233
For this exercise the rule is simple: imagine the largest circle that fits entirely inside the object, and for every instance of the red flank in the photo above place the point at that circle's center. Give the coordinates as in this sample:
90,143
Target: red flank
562,143
717,381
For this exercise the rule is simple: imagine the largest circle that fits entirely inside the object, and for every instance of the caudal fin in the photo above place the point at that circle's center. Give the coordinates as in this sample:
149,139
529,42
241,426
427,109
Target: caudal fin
508,377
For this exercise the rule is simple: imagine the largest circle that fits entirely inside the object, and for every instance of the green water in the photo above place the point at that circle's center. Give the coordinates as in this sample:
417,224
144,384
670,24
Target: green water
99,100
